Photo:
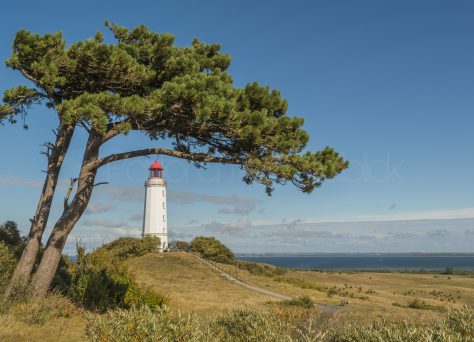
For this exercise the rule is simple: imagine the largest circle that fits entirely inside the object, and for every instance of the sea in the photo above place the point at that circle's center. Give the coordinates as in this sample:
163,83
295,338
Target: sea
368,262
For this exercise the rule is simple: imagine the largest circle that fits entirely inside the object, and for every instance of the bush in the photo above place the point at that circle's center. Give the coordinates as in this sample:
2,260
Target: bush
421,305
142,324
261,269
246,325
449,270
212,249
124,248
302,283
10,236
238,325
303,301
460,321
250,324
331,292
457,326
7,265
99,282
179,245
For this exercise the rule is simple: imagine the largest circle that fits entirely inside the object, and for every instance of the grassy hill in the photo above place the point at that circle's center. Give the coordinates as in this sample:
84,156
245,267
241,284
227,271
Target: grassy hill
194,287
190,285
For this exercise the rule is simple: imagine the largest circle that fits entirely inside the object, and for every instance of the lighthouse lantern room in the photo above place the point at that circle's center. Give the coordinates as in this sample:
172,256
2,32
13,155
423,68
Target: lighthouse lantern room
154,218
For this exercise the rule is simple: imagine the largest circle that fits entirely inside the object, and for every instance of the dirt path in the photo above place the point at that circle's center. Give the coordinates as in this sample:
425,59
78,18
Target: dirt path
326,308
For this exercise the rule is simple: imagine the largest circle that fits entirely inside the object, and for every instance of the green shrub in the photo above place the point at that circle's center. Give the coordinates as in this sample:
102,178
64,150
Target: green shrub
460,321
100,282
179,245
250,324
127,247
302,283
421,305
303,301
138,297
212,249
458,326
448,270
7,265
142,324
261,269
246,325
331,291
10,236
62,278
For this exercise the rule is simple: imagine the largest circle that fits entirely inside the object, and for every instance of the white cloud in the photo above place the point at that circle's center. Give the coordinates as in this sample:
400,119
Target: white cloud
138,217
7,180
421,215
230,228
127,232
105,223
437,233
99,208
233,205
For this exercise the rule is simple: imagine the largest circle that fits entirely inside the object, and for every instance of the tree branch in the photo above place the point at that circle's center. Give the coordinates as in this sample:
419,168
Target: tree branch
194,157
84,125
68,194
100,183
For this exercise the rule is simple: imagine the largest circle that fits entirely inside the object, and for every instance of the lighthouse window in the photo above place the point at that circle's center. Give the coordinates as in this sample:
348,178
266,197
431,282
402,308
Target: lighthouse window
163,218
163,205
163,192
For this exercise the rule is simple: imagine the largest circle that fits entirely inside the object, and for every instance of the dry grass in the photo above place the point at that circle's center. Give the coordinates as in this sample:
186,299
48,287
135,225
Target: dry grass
59,329
191,286
194,287
51,319
380,291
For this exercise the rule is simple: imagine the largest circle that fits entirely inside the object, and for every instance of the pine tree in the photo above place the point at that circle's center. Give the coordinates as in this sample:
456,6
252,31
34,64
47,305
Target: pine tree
183,95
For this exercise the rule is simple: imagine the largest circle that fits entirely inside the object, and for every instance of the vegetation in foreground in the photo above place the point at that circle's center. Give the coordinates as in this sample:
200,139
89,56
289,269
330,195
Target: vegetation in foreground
249,324
99,298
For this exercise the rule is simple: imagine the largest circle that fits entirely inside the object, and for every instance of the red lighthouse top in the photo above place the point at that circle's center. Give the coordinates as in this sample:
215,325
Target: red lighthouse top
156,170
156,166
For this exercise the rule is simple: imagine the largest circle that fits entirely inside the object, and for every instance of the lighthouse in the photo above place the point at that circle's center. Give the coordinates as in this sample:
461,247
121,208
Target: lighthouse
155,218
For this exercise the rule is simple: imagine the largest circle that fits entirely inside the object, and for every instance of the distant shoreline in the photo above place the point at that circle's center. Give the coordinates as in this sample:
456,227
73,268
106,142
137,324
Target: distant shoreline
256,255
359,261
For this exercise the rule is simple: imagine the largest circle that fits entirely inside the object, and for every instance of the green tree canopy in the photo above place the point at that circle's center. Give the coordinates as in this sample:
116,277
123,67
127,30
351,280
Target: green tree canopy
183,94
212,249
10,235
182,97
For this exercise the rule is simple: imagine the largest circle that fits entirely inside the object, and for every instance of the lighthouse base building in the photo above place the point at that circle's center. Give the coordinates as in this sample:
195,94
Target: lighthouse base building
154,217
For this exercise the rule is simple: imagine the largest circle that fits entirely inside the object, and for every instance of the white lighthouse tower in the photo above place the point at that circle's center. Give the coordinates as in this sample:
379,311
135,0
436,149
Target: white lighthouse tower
154,218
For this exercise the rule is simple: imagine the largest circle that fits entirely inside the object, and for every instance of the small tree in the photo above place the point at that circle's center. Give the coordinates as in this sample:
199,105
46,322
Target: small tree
10,234
212,249
183,245
183,96
178,245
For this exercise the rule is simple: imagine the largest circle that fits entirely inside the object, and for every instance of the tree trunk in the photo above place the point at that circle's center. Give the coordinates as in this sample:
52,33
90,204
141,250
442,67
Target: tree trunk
72,213
23,270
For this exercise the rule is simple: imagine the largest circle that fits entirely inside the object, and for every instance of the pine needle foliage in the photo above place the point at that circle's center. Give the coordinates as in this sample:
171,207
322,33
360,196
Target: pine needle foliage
142,81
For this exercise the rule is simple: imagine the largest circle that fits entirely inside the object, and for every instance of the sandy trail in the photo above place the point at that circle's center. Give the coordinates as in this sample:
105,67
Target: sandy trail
326,308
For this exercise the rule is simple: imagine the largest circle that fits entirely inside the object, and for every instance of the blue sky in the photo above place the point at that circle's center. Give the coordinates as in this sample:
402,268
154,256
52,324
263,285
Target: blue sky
388,84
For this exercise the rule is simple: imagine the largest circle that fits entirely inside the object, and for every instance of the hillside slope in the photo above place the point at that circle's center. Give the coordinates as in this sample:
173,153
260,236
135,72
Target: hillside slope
191,285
